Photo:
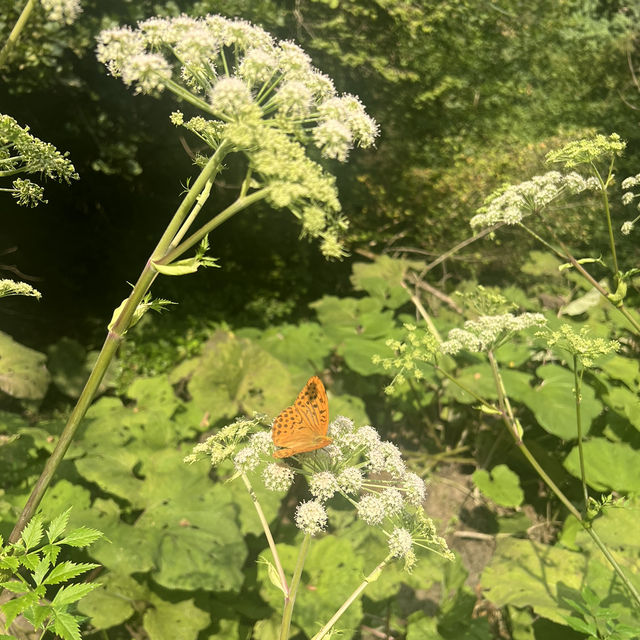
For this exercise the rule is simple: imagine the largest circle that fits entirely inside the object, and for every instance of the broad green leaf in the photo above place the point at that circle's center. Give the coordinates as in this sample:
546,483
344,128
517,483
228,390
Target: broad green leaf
172,620
383,279
500,485
553,402
626,370
349,406
421,626
154,395
23,373
358,354
235,376
608,465
112,602
524,573
582,304
625,402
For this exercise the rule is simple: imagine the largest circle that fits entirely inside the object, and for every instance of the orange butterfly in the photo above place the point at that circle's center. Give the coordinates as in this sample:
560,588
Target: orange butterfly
303,426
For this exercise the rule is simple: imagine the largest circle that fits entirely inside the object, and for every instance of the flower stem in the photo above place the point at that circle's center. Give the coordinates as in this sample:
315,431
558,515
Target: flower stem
114,336
267,533
577,380
347,603
290,600
605,200
15,32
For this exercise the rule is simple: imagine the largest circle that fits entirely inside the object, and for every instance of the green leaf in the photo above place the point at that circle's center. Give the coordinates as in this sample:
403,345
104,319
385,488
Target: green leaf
235,376
66,626
583,304
600,458
578,624
358,354
73,592
32,533
500,485
23,373
183,267
40,571
553,402
171,620
524,573
58,525
15,607
82,537
67,570
383,279
111,603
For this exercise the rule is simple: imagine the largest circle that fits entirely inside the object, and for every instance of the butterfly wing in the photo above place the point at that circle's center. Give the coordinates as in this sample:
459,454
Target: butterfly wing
303,426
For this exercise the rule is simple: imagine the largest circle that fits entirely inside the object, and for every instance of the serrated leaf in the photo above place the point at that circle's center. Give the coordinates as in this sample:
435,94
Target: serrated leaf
73,592
578,624
15,586
40,571
58,525
82,537
15,607
67,570
32,533
37,615
66,626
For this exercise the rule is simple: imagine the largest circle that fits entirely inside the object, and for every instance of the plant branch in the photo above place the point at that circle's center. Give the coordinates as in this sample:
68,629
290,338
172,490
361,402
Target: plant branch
290,600
374,575
15,32
267,533
114,336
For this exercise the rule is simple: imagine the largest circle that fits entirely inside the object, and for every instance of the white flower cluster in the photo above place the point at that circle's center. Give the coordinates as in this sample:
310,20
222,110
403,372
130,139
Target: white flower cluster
628,184
258,96
62,11
234,69
511,204
489,332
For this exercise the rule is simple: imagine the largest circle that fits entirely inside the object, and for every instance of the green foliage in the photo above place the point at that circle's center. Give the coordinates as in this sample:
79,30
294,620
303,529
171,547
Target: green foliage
35,570
500,485
22,373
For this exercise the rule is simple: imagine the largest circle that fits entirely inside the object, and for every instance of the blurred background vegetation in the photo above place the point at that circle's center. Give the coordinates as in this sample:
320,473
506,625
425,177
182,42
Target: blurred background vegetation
468,95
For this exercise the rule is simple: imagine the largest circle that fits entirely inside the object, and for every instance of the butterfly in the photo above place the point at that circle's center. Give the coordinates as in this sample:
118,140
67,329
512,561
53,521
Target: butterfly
303,426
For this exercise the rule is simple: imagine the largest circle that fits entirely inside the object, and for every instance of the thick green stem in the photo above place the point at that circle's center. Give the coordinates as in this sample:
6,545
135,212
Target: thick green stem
577,380
267,533
295,584
118,328
352,598
15,32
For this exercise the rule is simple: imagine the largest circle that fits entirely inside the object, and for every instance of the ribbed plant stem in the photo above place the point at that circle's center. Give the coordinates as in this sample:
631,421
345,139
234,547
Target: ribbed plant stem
15,32
114,336
293,591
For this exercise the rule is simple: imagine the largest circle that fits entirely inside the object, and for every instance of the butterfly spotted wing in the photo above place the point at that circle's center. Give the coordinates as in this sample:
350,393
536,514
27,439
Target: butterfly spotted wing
303,426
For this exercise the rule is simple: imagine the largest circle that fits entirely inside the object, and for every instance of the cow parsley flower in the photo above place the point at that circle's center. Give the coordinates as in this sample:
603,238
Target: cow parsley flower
311,517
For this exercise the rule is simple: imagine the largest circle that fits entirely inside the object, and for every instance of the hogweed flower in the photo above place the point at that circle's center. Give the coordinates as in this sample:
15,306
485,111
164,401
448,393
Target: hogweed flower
489,332
21,152
62,11
258,96
311,517
579,344
13,288
588,151
628,184
510,205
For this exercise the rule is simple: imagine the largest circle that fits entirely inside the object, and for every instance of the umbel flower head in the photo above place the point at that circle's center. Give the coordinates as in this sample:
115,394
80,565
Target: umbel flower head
366,471
255,95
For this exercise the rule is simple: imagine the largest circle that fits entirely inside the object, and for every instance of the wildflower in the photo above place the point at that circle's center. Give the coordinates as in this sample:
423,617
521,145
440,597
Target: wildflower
579,344
350,480
262,442
371,509
62,11
627,227
277,477
246,459
414,488
588,151
400,542
392,500
311,517
12,288
323,485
